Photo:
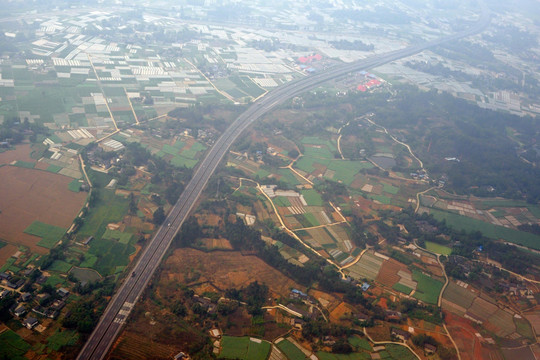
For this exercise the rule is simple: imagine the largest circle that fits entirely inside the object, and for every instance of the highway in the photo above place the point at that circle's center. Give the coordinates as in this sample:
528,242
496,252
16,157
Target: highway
124,300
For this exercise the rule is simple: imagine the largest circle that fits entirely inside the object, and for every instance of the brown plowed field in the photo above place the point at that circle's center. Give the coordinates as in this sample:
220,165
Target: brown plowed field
22,153
470,347
388,275
27,195
226,269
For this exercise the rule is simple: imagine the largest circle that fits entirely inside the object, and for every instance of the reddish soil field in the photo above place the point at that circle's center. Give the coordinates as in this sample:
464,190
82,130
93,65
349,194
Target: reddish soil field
28,195
470,347
226,269
388,275
342,310
22,153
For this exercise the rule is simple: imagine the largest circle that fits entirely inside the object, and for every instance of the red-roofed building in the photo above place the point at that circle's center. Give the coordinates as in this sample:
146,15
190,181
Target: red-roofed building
361,88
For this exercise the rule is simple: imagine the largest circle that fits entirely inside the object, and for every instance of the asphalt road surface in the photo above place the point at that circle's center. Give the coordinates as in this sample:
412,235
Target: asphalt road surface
124,300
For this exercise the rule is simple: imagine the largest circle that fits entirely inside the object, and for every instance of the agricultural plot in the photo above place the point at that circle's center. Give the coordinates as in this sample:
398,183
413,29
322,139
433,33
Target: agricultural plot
336,170
12,346
244,348
428,289
459,296
367,267
87,275
438,248
352,356
291,351
111,208
60,339
492,231
396,275
482,309
49,234
110,255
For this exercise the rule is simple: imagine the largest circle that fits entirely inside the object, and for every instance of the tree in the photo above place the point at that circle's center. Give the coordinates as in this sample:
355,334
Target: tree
159,216
132,204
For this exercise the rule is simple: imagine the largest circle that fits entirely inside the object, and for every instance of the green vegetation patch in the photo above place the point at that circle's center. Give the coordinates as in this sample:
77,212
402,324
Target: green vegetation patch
399,352
89,260
49,234
119,236
288,177
181,161
54,168
428,289
12,346
54,280
390,189
60,266
352,356
110,254
345,170
25,164
109,208
460,222
60,339
281,201
438,248
318,151
312,197
243,348
402,288
171,150
380,198
360,343
291,351
75,186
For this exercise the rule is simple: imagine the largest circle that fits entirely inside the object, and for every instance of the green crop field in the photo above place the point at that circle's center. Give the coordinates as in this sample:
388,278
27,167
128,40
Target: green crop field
291,351
346,170
60,266
12,346
49,234
305,163
171,150
492,231
398,352
110,254
75,185
119,236
181,161
438,248
402,288
312,197
54,168
380,198
110,208
288,176
352,356
281,201
360,343
25,164
390,189
62,338
54,280
243,348
318,152
428,289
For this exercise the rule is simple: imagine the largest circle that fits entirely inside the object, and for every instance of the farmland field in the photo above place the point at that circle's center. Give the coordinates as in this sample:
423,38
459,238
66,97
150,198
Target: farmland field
291,351
352,356
59,339
110,254
428,289
111,208
402,288
12,346
243,348
50,234
438,248
236,270
492,231
31,195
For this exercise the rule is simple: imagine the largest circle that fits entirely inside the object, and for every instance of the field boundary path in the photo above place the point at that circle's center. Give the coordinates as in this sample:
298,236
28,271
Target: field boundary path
129,292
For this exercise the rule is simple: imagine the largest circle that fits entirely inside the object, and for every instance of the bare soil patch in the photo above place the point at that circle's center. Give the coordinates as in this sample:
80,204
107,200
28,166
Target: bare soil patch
28,195
226,269
21,153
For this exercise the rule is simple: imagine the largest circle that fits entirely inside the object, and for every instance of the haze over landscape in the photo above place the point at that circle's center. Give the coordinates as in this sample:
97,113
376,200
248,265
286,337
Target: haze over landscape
218,179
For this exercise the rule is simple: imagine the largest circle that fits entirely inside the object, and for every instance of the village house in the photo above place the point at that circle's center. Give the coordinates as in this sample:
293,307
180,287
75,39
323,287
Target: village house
400,334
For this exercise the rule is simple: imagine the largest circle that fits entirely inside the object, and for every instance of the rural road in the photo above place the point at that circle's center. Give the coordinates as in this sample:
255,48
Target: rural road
124,300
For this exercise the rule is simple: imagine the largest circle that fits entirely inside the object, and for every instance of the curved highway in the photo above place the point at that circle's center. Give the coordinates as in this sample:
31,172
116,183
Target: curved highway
123,301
